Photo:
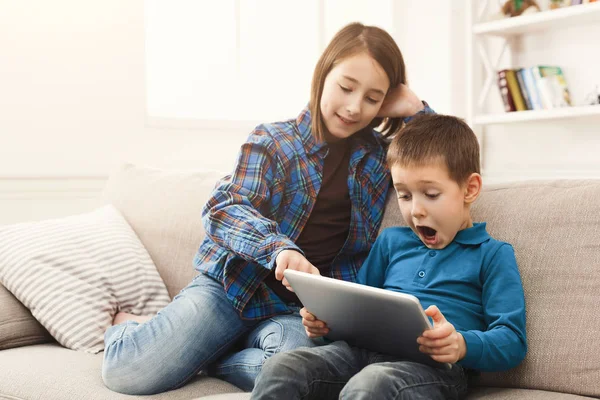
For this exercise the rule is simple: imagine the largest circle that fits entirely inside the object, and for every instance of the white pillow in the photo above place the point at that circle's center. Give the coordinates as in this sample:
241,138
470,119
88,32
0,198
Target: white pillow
76,273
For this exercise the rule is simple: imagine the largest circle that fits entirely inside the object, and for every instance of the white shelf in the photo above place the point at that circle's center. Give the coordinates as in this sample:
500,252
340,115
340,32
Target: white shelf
537,115
552,19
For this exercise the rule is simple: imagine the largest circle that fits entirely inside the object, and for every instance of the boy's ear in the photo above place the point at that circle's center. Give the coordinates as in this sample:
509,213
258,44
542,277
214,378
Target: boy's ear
472,187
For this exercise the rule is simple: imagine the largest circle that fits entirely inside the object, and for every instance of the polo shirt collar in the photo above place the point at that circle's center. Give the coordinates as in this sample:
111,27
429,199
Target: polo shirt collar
475,235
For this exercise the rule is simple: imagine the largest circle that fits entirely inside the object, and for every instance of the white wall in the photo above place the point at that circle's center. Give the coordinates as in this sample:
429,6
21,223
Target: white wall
72,103
72,107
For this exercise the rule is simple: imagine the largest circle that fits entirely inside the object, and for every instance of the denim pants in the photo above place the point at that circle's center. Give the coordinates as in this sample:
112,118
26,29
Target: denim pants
198,330
340,371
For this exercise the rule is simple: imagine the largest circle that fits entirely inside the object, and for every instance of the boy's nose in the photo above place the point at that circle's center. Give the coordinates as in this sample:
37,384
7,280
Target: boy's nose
417,210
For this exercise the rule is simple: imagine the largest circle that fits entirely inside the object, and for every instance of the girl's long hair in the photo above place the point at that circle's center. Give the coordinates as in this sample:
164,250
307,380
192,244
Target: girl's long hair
350,40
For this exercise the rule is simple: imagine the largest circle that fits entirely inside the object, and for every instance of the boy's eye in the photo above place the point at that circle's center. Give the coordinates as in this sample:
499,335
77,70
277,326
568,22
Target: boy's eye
403,196
345,89
372,101
432,195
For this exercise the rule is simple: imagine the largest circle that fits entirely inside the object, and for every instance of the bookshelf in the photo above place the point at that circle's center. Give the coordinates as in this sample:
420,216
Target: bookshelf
553,19
509,30
537,115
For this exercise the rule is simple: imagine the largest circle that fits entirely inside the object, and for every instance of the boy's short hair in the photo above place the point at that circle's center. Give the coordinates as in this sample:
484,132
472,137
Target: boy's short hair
430,138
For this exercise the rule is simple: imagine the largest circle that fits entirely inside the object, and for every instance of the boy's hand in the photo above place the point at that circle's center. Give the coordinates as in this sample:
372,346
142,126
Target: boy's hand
400,102
442,342
314,328
293,260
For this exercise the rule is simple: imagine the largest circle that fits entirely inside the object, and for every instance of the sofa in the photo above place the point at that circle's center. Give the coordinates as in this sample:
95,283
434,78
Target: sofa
554,227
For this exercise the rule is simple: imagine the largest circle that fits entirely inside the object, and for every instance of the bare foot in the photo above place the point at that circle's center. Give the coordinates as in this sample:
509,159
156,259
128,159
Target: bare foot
123,317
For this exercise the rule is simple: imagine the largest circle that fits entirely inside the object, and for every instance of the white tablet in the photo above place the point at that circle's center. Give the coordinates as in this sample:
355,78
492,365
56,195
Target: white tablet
375,319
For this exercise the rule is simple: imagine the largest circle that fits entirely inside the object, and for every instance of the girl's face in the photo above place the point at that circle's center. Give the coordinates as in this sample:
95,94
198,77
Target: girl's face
352,95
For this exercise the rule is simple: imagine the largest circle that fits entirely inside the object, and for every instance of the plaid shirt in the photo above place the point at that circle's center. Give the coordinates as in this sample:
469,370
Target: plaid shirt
261,208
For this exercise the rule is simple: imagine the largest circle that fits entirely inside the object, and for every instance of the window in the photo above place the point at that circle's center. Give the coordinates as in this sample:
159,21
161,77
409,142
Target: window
241,60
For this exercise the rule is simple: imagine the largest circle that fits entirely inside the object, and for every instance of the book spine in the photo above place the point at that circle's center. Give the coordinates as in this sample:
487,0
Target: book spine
545,97
507,99
523,88
532,89
513,86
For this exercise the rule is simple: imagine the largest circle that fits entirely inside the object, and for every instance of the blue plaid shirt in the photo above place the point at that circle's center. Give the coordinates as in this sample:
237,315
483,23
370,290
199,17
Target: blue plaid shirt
261,208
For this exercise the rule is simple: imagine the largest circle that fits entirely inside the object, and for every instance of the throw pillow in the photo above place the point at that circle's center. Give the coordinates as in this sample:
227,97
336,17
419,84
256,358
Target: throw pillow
17,325
76,273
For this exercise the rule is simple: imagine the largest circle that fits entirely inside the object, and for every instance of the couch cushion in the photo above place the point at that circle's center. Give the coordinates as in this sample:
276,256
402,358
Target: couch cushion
555,230
75,273
519,394
51,372
17,325
164,209
554,227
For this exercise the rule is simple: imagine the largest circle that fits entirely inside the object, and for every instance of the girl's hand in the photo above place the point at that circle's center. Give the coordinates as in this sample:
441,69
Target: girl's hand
314,328
442,342
400,102
293,260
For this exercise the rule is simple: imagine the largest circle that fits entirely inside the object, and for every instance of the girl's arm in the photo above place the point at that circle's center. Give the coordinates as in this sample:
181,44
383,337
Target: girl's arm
400,102
233,216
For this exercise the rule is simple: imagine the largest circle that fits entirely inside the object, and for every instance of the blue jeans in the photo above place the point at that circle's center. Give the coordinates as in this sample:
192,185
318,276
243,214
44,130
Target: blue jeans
198,330
340,371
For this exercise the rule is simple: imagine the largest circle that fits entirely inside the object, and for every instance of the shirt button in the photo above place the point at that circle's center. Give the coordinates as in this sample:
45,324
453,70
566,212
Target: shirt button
421,274
268,259
432,253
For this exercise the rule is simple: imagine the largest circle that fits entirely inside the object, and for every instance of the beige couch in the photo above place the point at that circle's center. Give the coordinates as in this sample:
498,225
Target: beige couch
554,227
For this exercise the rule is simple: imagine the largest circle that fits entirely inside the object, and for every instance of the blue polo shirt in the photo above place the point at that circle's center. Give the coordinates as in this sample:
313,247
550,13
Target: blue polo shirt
474,281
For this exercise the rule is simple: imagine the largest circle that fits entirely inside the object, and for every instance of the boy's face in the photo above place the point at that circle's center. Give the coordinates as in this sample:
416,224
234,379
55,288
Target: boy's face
353,92
432,204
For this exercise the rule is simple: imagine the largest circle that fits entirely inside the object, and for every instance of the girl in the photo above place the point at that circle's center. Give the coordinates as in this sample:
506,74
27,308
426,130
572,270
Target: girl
306,194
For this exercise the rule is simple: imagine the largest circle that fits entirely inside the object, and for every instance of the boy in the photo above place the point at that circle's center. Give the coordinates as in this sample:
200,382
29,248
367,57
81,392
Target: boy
468,282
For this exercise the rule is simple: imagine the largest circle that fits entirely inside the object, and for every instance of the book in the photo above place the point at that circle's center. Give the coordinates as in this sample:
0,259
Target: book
509,104
523,88
532,89
557,84
542,88
515,91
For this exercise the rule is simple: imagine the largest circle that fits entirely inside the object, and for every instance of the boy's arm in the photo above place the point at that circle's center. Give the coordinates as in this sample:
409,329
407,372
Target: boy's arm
503,345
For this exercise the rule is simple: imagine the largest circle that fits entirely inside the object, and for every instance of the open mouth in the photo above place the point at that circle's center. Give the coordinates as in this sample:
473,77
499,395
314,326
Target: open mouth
345,120
429,235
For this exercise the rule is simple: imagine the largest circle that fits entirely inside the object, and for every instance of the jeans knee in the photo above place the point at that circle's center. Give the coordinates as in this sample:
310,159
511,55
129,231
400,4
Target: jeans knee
274,363
283,336
370,381
124,374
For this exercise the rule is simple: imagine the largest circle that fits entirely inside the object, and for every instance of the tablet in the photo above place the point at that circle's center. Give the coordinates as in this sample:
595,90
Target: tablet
376,319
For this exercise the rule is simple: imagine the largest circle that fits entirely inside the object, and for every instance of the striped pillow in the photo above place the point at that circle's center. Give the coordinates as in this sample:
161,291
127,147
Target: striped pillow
75,273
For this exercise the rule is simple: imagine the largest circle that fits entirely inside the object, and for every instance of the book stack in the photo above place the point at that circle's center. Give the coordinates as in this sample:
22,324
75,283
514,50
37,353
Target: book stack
535,88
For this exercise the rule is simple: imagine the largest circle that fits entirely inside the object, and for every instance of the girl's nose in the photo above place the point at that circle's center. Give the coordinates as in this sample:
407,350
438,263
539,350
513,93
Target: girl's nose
353,108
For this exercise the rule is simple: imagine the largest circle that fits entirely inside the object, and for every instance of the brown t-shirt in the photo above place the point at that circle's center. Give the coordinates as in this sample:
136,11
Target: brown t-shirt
327,227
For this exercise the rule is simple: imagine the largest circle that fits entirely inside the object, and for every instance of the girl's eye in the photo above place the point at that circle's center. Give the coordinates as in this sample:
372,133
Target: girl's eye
402,196
372,101
432,195
345,89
